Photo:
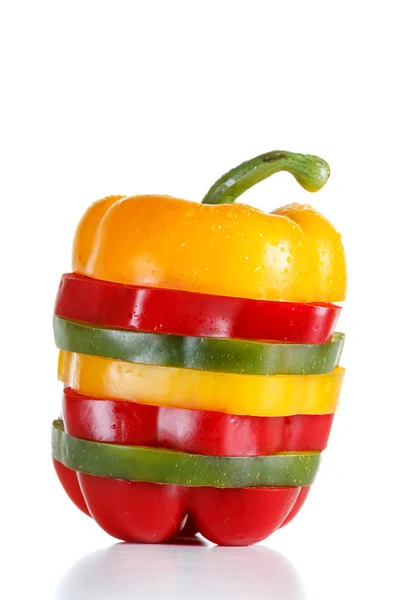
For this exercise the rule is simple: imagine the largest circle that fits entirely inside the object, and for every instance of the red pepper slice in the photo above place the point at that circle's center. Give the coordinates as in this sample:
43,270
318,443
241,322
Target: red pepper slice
178,312
193,431
151,513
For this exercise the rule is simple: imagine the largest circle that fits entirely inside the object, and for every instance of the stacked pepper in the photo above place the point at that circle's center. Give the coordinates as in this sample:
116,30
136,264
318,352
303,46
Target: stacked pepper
199,358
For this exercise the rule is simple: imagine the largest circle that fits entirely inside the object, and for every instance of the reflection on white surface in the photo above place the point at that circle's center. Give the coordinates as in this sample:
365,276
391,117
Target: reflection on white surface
196,571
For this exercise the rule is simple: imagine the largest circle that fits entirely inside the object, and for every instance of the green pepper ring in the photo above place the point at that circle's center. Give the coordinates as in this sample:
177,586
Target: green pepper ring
157,465
200,353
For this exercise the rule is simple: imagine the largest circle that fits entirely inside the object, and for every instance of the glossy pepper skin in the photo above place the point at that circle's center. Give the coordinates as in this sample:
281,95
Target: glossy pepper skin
194,431
199,353
292,254
152,513
146,512
158,310
271,396
197,432
169,467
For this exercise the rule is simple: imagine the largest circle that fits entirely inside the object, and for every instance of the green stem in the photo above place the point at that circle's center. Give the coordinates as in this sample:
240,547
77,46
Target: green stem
311,172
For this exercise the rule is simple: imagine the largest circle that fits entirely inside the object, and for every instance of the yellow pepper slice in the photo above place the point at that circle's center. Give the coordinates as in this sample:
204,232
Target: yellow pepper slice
258,395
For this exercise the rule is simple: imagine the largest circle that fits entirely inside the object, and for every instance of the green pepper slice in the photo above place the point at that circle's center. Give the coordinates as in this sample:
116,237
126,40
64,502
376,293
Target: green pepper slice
157,465
201,353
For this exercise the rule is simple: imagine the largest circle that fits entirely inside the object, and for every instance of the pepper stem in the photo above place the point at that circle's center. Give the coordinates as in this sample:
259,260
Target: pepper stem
311,172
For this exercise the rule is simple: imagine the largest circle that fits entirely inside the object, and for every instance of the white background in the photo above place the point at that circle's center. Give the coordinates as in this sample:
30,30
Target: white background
162,97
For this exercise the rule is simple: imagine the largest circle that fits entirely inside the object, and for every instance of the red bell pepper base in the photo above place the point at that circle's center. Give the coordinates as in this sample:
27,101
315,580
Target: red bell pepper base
301,498
153,513
190,528
69,481
240,517
194,431
141,308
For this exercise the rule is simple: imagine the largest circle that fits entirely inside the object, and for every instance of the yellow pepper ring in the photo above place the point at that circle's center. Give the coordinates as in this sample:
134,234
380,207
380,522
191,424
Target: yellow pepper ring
257,395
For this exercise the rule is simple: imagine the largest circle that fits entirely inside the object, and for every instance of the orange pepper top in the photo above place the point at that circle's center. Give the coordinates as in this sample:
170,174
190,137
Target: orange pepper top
292,254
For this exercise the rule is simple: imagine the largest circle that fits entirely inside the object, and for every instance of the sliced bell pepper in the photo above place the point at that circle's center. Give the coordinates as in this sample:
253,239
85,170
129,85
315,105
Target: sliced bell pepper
193,431
153,513
157,465
199,353
275,396
293,254
178,312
